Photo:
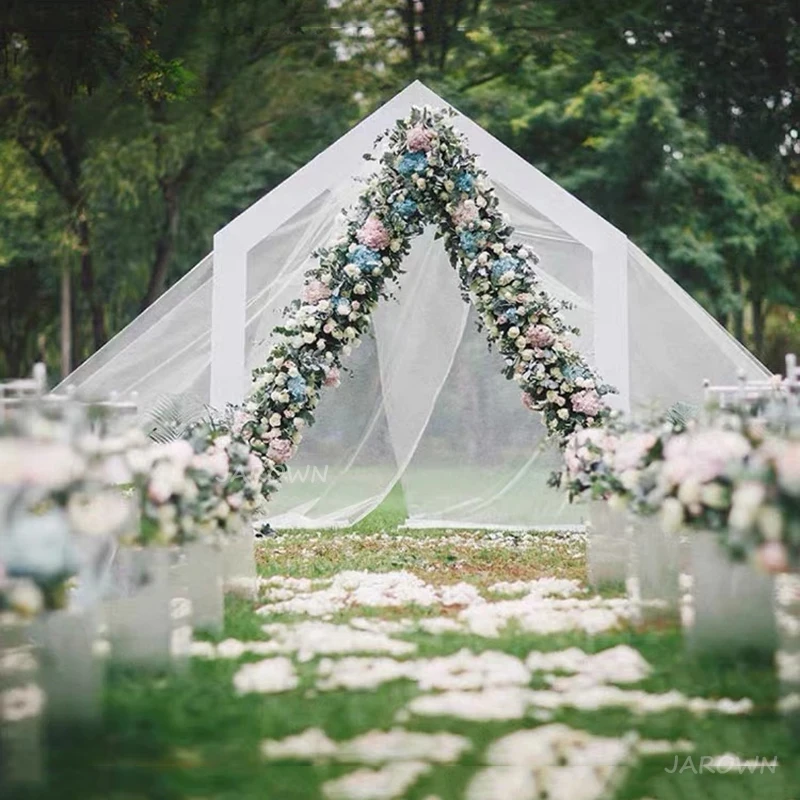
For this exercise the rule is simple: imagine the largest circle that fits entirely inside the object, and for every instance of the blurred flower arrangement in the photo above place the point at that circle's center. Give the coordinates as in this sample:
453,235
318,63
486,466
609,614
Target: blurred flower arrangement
200,487
727,472
426,175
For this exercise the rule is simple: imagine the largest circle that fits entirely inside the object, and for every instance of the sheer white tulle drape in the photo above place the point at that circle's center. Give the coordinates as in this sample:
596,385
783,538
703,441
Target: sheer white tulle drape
422,401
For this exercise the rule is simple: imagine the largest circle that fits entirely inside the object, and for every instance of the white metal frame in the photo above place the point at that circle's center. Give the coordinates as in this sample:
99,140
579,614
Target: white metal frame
232,244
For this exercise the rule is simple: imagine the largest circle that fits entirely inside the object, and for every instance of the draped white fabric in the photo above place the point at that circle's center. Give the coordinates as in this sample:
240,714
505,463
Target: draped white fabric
423,401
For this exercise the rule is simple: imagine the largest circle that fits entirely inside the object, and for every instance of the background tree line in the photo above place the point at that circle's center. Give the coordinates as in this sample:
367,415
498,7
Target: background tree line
131,130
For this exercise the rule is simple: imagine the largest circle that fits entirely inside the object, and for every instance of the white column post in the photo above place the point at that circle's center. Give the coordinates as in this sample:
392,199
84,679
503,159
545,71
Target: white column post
228,320
610,295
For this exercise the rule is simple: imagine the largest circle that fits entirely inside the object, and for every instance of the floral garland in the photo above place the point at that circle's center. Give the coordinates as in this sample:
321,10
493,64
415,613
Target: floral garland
427,175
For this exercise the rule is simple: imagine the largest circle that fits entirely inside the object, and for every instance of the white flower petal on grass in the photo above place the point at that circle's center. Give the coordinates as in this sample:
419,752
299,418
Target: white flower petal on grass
387,783
543,587
311,638
573,783
438,625
620,664
381,747
459,671
387,626
270,676
311,744
375,747
659,747
492,704
503,783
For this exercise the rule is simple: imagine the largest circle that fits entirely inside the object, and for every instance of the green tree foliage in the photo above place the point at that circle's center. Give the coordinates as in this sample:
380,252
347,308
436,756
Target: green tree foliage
131,131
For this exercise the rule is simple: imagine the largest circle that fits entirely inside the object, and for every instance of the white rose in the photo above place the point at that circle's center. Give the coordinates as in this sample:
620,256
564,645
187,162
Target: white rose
562,413
309,337
480,201
513,332
498,249
449,185
421,184
360,288
275,420
395,245
280,380
527,355
351,270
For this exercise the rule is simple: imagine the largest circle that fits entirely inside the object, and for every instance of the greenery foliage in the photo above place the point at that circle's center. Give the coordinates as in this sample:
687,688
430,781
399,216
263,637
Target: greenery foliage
130,132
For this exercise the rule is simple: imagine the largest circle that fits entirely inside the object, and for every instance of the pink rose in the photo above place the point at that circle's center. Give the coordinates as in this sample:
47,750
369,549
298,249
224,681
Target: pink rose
373,234
315,291
235,501
332,377
280,450
528,401
587,402
772,557
419,139
703,457
540,336
465,213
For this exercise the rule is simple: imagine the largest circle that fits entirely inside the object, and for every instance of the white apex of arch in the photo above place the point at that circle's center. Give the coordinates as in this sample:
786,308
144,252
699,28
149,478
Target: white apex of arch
341,161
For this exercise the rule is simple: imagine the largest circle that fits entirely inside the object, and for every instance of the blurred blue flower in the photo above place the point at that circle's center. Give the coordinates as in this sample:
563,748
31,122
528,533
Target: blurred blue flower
297,388
469,242
365,258
503,265
412,162
406,208
465,182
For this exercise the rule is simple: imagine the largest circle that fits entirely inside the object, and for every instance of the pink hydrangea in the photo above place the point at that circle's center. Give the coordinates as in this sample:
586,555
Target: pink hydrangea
315,291
419,139
465,213
587,402
528,401
540,336
632,449
373,234
280,450
332,377
702,457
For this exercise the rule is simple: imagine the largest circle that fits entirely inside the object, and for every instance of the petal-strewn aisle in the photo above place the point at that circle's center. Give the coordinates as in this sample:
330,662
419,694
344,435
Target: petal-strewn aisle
437,665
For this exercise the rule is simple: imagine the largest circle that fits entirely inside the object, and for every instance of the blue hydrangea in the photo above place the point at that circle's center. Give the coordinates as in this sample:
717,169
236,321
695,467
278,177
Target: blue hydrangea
297,388
465,182
365,258
503,265
406,208
469,242
512,316
411,163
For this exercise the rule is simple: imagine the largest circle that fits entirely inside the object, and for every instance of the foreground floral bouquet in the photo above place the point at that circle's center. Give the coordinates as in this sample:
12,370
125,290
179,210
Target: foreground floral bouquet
202,487
426,175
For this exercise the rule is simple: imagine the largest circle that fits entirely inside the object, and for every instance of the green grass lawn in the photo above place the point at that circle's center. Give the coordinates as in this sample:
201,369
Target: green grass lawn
189,736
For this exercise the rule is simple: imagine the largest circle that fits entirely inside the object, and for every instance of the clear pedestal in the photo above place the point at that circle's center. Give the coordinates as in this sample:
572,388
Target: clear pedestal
655,572
203,582
72,672
139,614
607,547
734,608
239,564
788,656
22,704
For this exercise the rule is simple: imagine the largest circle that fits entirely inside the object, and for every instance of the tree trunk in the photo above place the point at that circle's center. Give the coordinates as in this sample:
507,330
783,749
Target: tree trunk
165,246
66,322
88,285
758,307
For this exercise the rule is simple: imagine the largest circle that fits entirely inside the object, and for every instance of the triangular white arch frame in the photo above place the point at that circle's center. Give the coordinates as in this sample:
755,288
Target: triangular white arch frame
608,246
